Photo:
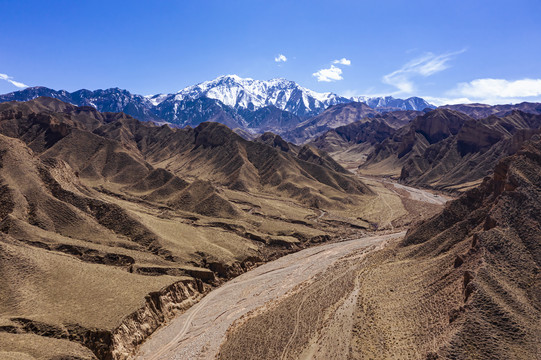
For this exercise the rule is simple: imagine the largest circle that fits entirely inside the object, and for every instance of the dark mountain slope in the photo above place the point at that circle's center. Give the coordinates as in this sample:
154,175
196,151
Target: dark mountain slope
306,152
400,118
465,284
479,111
370,132
276,141
333,117
471,153
351,144
446,149
410,141
270,118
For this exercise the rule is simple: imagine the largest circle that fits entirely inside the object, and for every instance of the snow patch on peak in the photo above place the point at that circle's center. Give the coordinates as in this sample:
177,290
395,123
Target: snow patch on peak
237,92
412,103
156,99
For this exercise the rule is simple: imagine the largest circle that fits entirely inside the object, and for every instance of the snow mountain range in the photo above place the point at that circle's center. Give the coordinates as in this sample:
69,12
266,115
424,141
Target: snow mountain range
252,95
255,106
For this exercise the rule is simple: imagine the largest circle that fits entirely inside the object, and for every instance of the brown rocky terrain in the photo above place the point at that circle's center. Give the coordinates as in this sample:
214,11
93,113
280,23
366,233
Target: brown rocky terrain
391,154
448,150
472,153
342,115
351,144
110,226
333,117
464,284
270,118
370,132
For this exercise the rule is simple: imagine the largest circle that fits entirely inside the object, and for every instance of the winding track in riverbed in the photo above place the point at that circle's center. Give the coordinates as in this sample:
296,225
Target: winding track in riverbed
198,333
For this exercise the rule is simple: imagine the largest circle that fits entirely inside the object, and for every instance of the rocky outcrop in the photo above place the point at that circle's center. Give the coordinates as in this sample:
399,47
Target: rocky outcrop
448,150
121,342
464,284
159,307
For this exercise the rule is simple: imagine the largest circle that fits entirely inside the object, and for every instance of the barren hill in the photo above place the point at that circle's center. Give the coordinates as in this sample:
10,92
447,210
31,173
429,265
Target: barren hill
464,284
109,225
445,149
332,117
350,144
411,140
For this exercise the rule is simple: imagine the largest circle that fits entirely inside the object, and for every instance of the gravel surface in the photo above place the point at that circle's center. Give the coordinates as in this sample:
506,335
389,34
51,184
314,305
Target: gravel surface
198,333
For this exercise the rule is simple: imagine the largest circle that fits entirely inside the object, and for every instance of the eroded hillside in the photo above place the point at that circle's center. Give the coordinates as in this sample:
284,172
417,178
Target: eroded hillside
110,226
448,150
464,284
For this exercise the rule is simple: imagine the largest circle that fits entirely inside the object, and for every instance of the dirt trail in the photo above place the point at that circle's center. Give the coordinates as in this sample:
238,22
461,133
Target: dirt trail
198,333
430,197
422,195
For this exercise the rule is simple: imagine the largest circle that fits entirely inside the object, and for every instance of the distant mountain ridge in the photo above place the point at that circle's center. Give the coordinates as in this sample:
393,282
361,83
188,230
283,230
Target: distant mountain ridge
479,111
252,105
252,94
284,94
389,103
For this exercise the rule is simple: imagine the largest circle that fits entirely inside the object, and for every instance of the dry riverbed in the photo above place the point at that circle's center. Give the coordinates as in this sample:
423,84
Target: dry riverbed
199,332
299,306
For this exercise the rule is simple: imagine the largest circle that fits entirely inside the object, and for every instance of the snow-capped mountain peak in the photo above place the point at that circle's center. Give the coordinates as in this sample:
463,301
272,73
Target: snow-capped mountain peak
251,94
245,93
412,103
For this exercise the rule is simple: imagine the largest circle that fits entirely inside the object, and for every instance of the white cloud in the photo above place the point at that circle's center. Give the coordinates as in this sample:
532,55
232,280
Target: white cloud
331,74
499,89
13,82
280,58
342,61
426,65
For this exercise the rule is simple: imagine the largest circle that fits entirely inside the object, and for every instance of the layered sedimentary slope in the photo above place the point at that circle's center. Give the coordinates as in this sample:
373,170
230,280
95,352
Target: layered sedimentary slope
445,149
411,140
466,283
351,144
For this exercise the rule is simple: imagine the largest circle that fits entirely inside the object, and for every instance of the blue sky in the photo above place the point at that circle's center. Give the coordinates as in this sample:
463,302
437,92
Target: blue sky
446,51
